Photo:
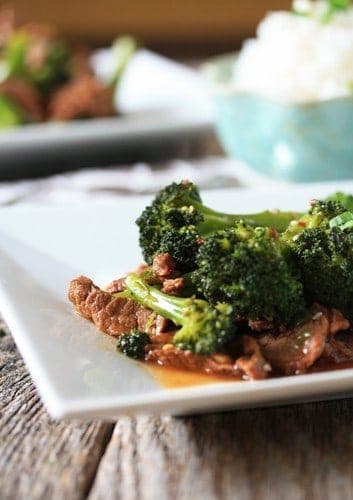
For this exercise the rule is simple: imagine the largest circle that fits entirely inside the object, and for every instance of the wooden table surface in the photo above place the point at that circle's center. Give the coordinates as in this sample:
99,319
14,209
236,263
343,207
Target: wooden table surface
294,452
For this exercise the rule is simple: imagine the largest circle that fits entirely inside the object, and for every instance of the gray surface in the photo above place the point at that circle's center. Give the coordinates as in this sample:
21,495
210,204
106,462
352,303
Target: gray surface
44,149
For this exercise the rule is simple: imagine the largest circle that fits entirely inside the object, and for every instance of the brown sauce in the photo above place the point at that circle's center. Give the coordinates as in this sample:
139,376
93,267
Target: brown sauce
173,378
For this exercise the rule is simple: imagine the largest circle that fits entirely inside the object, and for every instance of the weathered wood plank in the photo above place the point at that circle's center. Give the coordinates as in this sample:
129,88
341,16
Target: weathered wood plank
40,458
298,452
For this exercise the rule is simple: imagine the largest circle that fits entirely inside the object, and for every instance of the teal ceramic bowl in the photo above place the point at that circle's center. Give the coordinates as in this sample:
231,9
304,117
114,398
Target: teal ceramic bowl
293,142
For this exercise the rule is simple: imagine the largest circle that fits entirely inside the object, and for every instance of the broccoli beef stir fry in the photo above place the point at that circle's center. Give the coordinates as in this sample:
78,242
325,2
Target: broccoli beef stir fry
245,296
43,78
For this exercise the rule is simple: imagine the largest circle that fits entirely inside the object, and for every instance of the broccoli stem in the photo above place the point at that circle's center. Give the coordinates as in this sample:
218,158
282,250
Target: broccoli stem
170,307
10,113
215,221
205,328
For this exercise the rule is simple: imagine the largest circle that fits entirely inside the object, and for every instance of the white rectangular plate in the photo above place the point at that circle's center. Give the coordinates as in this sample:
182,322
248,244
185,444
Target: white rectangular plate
77,369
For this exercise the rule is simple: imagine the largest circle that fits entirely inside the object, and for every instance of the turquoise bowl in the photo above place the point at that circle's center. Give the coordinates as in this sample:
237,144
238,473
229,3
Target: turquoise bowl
292,142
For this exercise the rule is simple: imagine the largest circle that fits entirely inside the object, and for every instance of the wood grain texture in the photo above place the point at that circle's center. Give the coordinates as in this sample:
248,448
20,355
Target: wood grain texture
40,458
297,452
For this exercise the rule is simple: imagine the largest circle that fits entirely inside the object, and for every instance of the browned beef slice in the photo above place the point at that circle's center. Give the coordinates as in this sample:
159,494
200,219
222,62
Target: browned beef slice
338,323
252,363
338,349
82,97
164,266
161,325
250,366
173,286
116,286
170,356
112,315
296,350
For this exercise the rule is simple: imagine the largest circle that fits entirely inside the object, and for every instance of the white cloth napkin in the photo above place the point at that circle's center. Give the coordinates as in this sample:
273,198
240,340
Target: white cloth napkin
141,178
151,81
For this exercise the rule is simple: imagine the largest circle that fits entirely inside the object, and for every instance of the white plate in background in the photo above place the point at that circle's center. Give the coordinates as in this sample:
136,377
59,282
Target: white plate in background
161,100
77,369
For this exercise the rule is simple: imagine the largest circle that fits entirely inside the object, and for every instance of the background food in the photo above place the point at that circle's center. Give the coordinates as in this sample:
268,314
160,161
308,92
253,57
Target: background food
298,58
42,77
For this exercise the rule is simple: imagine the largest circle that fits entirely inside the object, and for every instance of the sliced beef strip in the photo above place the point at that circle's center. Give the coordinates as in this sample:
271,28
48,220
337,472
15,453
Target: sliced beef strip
164,267
161,325
82,97
295,350
338,323
112,315
253,364
169,356
338,349
173,286
116,286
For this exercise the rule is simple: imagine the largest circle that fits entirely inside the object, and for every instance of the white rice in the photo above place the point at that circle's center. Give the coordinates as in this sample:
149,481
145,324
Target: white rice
298,59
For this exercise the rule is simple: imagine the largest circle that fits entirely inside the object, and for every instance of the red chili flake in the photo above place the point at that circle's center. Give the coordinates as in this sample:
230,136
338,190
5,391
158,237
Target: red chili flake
302,223
200,241
273,232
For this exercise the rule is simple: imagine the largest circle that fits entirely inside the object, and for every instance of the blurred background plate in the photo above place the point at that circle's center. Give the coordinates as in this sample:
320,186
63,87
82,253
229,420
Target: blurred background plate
41,149
163,107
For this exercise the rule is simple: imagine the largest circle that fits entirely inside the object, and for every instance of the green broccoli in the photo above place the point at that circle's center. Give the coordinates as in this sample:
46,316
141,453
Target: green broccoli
11,114
344,198
205,328
54,68
177,223
133,344
321,247
245,267
319,216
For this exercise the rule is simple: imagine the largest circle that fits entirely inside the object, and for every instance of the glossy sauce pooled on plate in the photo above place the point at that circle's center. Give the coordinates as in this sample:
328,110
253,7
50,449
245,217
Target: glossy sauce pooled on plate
173,378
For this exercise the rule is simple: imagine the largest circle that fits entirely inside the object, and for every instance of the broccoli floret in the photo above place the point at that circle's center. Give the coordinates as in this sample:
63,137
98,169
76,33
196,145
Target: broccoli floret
344,198
205,328
177,223
11,114
322,250
52,69
133,344
319,216
245,267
